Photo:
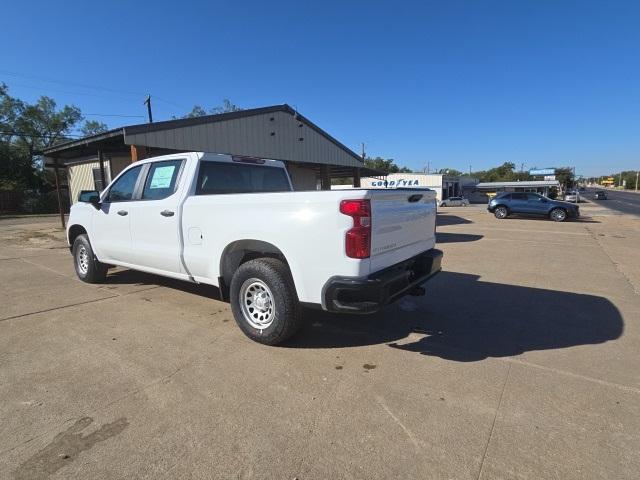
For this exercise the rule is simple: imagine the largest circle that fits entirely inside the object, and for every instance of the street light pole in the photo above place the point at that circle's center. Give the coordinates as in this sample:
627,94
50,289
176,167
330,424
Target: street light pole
637,173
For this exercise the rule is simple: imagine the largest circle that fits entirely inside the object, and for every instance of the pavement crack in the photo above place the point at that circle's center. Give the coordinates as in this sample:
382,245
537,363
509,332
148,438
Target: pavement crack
62,307
616,265
493,424
406,430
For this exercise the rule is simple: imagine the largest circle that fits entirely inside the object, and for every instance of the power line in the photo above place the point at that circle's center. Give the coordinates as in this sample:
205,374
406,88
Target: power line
64,82
83,85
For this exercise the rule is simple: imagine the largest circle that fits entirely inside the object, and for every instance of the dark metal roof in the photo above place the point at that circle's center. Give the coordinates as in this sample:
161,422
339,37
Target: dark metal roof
270,132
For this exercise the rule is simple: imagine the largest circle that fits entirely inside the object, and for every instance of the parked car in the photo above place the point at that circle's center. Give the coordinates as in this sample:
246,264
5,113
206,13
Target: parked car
454,202
600,195
572,196
506,204
235,223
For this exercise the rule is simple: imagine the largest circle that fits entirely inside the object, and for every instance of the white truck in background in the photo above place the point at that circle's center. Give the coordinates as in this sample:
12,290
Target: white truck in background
235,223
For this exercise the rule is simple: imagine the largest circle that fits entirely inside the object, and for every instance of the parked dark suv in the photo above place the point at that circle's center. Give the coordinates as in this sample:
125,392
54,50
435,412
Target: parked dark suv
528,203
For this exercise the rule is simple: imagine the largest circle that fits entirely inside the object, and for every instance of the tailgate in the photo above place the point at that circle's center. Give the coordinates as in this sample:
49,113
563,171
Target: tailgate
403,225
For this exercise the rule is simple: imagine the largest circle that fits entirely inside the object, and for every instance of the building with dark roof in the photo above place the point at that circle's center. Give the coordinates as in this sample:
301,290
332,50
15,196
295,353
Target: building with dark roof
278,132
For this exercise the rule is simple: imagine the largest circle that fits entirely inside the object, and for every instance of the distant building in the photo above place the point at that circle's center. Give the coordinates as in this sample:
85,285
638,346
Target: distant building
445,186
489,189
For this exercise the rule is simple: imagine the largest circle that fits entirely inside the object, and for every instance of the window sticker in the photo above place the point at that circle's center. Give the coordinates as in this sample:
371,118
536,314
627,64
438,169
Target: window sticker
162,177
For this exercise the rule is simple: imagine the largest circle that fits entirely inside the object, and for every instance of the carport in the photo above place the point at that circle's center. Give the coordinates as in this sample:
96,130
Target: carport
278,132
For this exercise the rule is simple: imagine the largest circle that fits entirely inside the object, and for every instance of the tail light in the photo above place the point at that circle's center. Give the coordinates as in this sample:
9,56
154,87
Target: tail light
358,239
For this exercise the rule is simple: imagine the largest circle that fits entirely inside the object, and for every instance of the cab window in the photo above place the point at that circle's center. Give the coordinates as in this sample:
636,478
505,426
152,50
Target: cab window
217,178
123,188
161,179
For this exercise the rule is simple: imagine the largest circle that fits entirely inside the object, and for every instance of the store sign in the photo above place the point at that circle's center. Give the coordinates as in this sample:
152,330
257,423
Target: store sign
542,171
550,177
395,183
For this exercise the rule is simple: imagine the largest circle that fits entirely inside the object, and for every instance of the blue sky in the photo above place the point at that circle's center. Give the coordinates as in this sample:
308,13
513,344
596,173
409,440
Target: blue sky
452,83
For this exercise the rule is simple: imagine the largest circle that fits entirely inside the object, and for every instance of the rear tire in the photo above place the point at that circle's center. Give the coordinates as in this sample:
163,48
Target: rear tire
264,301
558,215
87,266
501,212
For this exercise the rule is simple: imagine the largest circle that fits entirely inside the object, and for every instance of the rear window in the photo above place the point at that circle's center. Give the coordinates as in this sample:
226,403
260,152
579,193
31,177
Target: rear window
216,178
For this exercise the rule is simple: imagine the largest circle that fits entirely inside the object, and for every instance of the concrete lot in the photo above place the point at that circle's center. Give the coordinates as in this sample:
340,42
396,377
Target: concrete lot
521,362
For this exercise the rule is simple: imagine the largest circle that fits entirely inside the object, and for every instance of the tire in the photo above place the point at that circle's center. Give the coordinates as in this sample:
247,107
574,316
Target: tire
501,212
264,301
558,215
88,268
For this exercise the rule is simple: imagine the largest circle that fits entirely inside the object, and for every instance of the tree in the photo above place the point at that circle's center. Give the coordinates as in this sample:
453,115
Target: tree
25,131
386,165
93,127
226,107
564,175
626,178
449,171
504,173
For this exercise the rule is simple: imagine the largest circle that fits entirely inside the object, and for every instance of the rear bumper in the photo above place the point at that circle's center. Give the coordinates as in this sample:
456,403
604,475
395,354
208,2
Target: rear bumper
368,294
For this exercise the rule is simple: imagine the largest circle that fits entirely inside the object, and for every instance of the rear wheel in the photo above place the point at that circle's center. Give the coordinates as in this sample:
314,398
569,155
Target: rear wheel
264,301
88,268
558,215
501,212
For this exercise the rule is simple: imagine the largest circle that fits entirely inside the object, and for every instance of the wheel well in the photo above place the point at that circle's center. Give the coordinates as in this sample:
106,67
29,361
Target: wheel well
241,251
74,232
501,205
558,208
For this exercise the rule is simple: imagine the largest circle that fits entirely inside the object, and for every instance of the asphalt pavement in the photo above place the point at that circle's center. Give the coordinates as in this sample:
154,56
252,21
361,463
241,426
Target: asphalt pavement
620,201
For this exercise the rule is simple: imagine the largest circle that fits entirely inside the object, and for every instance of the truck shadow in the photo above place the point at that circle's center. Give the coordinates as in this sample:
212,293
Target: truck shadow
461,318
447,237
443,219
464,319
540,218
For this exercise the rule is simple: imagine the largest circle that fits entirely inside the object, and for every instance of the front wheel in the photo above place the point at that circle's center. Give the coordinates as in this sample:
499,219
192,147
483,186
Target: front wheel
501,212
88,268
264,301
558,215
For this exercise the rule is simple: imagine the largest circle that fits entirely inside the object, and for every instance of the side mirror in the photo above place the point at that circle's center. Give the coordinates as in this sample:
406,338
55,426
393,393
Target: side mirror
90,196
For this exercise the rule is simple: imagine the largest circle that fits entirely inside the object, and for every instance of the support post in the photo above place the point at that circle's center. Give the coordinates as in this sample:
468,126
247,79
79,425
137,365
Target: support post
102,175
356,177
325,179
57,177
138,153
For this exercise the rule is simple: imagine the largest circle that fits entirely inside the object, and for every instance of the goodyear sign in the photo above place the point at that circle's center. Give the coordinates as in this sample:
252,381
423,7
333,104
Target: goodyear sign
395,183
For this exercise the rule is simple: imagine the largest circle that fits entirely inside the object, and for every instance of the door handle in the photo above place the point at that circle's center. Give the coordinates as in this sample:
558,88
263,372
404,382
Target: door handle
122,213
166,213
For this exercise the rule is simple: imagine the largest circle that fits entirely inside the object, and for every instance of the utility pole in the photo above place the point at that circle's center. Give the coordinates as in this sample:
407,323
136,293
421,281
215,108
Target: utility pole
469,169
637,174
147,102
620,182
363,154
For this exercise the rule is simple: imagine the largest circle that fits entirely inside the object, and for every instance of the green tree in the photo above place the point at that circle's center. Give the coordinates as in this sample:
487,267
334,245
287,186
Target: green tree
449,171
564,175
93,127
386,165
27,129
226,107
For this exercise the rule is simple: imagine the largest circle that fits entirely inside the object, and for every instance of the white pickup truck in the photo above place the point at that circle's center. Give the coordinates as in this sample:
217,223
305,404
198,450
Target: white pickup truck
234,222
